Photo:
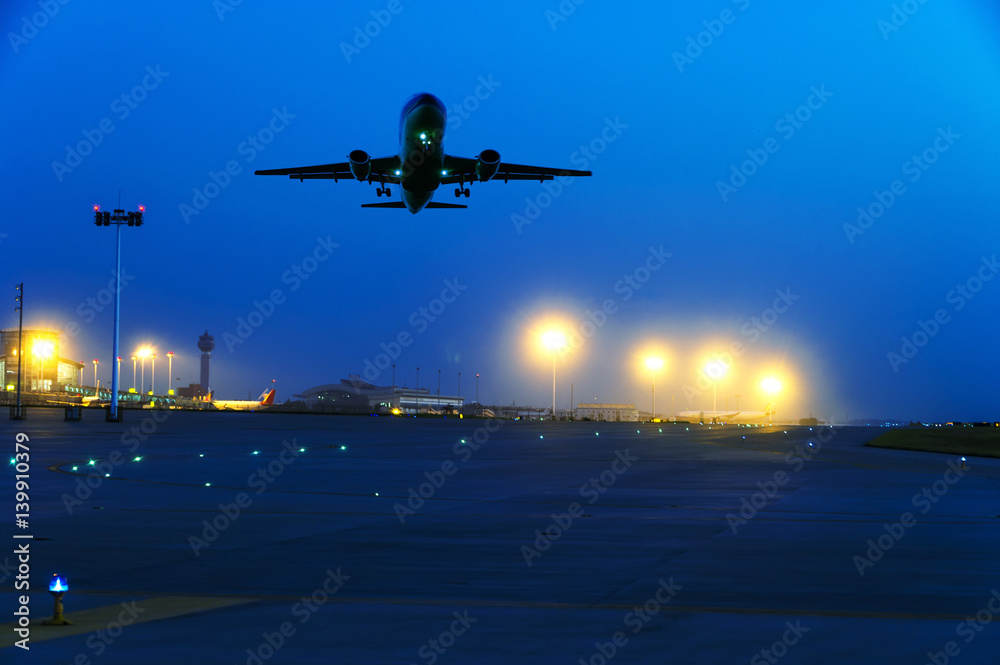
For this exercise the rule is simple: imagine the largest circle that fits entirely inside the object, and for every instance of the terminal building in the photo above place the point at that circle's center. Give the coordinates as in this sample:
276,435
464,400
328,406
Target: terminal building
612,413
353,395
42,369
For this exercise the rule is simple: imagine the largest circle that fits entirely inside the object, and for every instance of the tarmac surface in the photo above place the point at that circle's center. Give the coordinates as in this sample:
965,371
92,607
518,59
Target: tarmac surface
270,538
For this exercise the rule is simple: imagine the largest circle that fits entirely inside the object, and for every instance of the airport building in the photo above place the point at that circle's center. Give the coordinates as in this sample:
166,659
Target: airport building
42,369
608,412
353,395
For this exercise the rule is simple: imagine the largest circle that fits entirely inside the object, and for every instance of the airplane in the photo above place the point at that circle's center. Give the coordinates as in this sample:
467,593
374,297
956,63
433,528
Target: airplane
421,165
266,399
729,417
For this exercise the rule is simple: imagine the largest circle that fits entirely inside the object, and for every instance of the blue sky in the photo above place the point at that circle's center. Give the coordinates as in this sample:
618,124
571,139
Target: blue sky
202,79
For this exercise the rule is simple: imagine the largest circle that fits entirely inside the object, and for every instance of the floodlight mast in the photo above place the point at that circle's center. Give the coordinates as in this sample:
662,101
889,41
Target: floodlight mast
18,415
118,218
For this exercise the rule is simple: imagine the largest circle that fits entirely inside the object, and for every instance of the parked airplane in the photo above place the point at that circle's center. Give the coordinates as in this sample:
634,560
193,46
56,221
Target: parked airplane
421,165
266,399
732,417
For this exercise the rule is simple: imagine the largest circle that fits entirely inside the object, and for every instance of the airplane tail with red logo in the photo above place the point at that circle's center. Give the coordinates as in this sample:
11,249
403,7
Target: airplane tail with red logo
267,397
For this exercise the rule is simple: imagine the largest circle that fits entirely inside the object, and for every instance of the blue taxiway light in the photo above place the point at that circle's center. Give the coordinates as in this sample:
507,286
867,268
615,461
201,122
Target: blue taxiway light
58,584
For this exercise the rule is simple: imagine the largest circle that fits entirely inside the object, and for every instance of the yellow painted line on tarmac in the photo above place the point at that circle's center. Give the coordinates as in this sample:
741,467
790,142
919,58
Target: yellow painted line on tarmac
122,614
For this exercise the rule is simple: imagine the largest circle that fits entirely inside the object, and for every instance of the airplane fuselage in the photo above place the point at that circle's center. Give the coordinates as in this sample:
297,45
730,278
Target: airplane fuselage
421,151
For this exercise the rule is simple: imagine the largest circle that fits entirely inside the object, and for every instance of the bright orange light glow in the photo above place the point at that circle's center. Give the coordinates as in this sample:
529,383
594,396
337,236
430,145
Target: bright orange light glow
771,385
144,352
554,340
654,363
715,370
43,348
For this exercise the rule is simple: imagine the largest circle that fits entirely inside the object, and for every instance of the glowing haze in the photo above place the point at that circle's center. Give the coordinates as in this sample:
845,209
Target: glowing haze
805,191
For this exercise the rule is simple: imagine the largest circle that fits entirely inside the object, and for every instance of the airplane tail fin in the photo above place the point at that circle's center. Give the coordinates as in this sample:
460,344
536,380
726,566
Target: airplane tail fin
267,398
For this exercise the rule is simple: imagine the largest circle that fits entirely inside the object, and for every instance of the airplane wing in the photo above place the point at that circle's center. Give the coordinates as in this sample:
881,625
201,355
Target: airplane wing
400,204
463,169
383,170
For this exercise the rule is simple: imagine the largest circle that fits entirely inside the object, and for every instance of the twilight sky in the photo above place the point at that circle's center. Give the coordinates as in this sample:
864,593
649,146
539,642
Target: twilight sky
732,145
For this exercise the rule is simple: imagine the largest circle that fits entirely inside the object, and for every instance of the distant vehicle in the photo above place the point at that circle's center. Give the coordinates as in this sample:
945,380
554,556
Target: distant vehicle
421,165
266,399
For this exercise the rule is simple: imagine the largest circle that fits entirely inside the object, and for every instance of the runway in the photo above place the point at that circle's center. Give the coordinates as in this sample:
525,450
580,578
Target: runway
315,539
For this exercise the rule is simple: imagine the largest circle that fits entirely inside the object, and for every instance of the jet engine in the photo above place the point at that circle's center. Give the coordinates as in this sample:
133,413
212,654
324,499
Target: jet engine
361,164
487,163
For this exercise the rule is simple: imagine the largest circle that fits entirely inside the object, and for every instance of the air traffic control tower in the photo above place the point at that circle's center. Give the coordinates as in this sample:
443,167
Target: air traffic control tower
206,343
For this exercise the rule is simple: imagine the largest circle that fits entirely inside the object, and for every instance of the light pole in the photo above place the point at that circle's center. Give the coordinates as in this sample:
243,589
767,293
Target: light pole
96,387
477,389
772,387
170,372
653,364
555,341
715,370
738,402
152,374
119,365
106,219
133,373
18,415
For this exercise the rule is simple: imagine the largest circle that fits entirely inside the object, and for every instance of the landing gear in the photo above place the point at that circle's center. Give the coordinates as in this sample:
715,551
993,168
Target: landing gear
467,192
459,191
378,192
383,190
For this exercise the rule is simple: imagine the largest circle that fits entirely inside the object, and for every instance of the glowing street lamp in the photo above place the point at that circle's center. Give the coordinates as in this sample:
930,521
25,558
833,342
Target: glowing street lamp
653,364
42,350
715,371
119,365
133,373
143,353
772,387
555,341
170,372
95,374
